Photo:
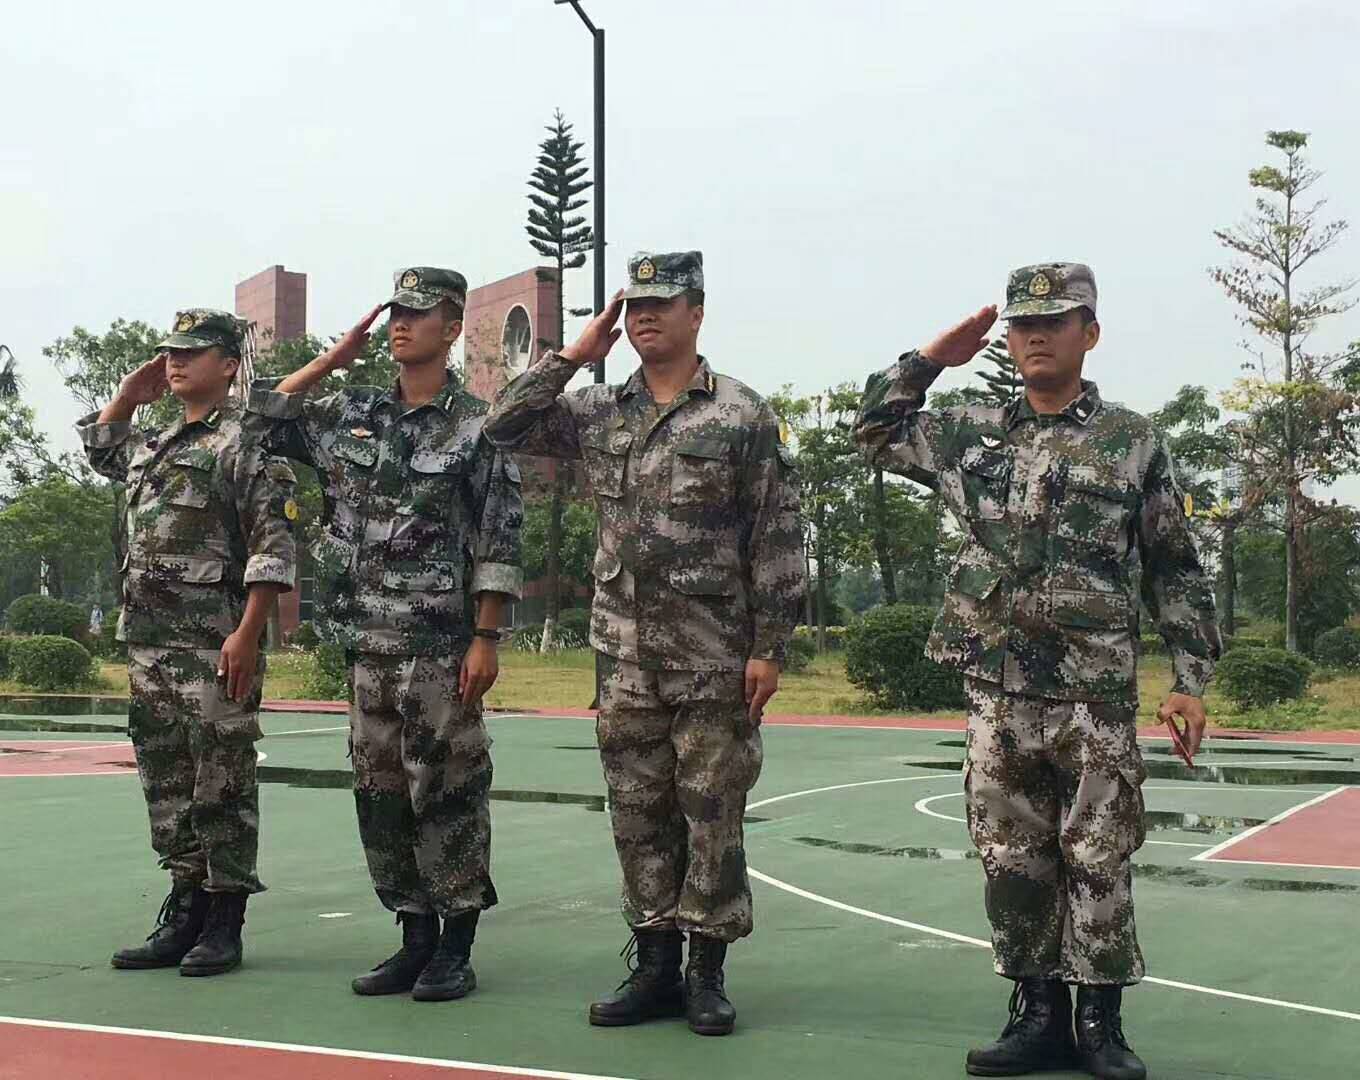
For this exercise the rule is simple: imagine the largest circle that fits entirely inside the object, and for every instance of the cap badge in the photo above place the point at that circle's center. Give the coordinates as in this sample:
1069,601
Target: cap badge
646,270
410,279
1039,285
185,323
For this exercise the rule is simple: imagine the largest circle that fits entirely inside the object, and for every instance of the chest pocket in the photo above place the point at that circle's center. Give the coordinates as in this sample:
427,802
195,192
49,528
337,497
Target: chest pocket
986,482
354,461
189,479
702,473
435,481
606,457
1095,508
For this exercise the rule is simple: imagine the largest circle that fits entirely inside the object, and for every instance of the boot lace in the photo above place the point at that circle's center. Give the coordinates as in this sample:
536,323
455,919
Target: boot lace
1023,1021
173,908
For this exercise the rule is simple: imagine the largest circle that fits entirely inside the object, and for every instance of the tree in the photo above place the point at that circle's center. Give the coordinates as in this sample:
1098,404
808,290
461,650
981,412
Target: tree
10,383
58,528
559,233
829,467
1300,425
92,365
577,546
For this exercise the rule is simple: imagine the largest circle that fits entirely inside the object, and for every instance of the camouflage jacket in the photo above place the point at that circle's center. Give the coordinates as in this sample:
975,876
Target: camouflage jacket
700,558
421,513
208,515
1060,514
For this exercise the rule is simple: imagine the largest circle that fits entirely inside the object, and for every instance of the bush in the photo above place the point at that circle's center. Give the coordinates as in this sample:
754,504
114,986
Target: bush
1150,644
6,640
885,657
329,678
49,662
1254,678
304,636
800,654
35,614
574,621
530,638
1338,647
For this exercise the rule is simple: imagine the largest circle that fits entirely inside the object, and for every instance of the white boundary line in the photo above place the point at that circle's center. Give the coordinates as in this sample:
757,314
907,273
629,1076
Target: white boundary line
935,931
295,1048
306,731
1205,856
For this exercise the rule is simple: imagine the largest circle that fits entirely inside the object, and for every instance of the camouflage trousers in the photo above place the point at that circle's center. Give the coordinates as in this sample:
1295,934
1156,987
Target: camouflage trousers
196,759
679,757
1055,806
422,781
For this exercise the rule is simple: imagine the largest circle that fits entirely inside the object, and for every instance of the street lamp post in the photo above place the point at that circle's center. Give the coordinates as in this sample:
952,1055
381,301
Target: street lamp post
597,33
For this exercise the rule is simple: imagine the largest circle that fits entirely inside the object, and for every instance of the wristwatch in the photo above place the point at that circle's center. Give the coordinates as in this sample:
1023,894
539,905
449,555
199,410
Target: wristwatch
487,632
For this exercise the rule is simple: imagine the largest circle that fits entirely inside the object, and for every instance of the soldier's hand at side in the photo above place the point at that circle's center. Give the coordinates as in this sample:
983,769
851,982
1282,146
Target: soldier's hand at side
762,680
147,384
598,337
351,346
478,674
240,654
1191,709
961,342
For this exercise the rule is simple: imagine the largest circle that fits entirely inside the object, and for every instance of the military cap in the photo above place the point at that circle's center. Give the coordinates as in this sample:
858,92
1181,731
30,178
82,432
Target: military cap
664,273
1049,289
422,287
201,328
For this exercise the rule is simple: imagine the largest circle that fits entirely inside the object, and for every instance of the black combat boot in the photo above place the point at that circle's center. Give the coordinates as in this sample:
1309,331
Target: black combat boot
1100,1035
219,946
706,1005
398,973
653,989
1037,1036
177,928
449,974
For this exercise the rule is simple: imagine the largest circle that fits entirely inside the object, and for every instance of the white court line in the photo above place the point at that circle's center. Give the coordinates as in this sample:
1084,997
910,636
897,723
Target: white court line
935,931
1204,856
59,749
297,1048
306,731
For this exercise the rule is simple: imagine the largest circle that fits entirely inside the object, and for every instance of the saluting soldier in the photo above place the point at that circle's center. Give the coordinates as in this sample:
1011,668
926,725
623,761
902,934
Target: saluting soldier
210,545
420,548
1063,497
697,581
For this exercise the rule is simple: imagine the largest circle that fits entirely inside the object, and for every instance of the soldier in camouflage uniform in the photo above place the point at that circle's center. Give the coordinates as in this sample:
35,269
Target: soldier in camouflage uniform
1065,501
419,549
210,546
697,581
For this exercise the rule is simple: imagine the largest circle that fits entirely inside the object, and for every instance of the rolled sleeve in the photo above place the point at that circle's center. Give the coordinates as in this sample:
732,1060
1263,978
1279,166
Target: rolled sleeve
266,401
105,436
269,570
499,578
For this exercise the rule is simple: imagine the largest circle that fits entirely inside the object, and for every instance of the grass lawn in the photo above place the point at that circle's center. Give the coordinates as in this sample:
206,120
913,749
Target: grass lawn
567,680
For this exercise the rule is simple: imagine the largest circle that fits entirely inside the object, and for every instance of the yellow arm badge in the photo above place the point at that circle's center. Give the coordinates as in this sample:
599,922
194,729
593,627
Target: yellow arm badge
290,510
1189,505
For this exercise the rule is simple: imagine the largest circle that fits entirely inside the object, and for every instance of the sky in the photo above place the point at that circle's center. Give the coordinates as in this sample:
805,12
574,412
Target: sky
858,175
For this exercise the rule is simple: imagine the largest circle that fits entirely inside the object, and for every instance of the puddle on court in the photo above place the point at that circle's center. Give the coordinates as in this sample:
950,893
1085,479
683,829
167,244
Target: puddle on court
61,705
929,853
1245,775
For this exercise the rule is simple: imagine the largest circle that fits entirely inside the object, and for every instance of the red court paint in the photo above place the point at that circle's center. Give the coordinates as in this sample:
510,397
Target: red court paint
34,1052
1324,833
52,757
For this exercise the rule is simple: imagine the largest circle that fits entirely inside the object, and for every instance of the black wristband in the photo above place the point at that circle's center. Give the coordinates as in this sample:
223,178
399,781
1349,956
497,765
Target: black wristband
486,632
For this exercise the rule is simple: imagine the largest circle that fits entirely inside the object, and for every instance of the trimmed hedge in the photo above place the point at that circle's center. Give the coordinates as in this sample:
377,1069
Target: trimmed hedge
574,621
885,657
304,636
1338,647
34,614
50,662
1246,641
329,680
1254,678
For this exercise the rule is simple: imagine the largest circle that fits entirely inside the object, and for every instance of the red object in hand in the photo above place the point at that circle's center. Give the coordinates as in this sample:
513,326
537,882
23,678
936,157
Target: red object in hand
1178,741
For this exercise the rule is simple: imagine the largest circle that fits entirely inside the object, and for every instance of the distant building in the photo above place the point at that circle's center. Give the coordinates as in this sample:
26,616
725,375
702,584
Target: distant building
275,300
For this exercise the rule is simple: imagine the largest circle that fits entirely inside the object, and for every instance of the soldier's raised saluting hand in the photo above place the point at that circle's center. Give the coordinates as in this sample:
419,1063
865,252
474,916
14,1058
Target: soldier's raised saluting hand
963,341
146,385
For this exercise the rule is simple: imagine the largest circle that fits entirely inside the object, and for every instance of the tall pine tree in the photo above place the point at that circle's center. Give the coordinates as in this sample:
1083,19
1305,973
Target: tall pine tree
557,231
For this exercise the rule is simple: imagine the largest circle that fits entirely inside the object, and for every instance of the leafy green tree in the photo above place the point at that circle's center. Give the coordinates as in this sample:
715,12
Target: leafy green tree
62,527
556,231
1300,419
92,365
577,548
10,383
